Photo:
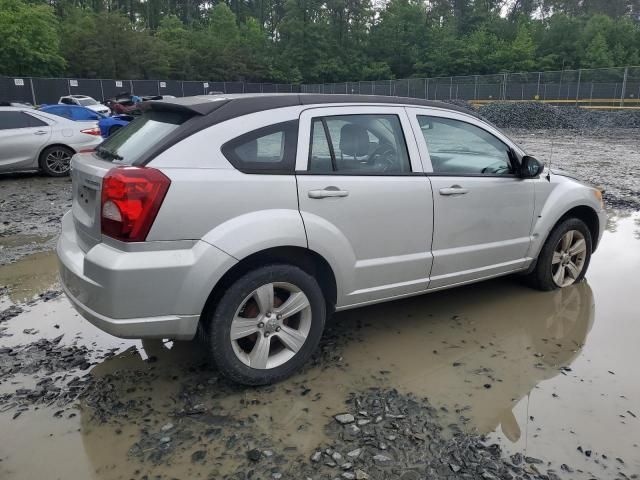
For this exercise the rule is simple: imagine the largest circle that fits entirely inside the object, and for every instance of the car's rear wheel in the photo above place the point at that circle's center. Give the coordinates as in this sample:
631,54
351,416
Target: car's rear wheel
55,161
266,325
565,256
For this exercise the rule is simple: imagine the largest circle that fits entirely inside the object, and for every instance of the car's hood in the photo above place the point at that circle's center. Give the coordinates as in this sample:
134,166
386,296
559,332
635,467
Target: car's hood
98,108
564,173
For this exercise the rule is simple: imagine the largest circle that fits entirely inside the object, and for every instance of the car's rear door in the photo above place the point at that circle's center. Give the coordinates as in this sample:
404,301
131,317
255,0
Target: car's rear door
366,204
21,136
483,210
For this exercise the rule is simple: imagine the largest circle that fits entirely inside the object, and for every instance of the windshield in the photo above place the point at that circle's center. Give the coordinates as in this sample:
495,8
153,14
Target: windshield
133,141
86,101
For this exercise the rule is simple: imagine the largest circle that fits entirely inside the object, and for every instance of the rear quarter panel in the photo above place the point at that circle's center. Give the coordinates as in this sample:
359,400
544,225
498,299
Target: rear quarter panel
209,199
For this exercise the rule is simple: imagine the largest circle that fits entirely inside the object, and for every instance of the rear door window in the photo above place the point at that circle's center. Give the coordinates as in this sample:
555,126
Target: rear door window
146,131
358,144
11,120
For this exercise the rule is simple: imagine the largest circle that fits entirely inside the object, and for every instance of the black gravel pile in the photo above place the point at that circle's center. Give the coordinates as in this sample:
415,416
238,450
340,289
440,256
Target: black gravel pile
45,356
462,104
535,115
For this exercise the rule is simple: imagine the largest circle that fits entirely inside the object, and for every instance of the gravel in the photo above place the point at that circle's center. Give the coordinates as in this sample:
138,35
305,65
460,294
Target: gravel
535,115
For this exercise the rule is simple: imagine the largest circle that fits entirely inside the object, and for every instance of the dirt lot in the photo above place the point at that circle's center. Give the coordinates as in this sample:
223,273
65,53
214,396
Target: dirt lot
492,380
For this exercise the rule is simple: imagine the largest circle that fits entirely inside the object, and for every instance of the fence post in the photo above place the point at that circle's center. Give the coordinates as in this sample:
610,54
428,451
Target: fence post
538,89
102,90
578,87
451,88
624,86
131,85
591,95
33,92
560,85
182,87
504,87
475,87
426,89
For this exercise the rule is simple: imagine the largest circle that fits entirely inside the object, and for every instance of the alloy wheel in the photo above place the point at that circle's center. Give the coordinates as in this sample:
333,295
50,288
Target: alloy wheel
568,258
58,161
271,325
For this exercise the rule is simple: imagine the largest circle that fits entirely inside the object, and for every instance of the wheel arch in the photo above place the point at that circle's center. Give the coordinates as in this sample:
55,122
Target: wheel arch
56,144
589,216
308,260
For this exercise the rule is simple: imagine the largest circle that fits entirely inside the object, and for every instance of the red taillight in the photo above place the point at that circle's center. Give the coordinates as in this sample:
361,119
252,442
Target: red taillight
131,198
91,131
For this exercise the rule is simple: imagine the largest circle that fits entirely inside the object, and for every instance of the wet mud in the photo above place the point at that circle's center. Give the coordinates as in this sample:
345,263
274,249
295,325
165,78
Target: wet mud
492,380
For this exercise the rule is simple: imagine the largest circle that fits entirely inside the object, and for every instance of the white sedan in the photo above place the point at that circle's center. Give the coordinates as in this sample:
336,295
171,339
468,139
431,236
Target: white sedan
85,101
35,140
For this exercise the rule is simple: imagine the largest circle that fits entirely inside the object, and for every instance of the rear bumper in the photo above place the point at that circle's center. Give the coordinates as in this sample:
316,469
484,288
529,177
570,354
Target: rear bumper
158,292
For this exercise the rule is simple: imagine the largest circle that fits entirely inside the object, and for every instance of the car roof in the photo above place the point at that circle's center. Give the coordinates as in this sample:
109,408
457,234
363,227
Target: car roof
57,105
228,106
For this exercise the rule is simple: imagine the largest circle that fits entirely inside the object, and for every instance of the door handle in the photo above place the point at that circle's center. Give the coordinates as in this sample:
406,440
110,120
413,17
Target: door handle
454,190
328,192
40,132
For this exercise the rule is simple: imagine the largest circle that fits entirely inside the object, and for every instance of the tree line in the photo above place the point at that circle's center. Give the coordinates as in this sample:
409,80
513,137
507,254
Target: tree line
311,41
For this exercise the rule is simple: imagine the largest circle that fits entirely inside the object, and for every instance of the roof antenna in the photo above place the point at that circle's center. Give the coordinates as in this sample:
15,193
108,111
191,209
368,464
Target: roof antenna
553,139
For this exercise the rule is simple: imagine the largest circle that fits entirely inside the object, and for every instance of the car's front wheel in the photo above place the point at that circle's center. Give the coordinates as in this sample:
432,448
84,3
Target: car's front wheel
565,256
266,325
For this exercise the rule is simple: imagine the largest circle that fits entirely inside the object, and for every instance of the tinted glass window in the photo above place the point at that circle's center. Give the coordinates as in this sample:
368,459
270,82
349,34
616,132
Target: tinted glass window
9,120
361,144
84,114
66,101
130,143
270,149
457,147
86,101
61,110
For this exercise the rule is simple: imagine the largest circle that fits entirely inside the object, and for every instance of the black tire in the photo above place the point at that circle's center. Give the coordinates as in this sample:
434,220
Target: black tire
114,129
51,168
218,325
542,277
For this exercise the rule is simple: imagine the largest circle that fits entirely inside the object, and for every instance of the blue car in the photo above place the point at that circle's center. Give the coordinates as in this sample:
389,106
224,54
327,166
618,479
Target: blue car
110,125
73,112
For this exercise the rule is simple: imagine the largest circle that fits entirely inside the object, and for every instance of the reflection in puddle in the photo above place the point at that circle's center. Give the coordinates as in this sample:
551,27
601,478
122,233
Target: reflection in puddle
29,276
531,367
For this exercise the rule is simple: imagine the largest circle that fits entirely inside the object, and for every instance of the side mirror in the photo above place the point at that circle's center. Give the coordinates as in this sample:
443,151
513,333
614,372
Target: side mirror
530,167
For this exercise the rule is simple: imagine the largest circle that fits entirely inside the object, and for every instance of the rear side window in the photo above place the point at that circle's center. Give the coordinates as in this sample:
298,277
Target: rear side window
270,149
84,114
9,120
61,111
132,142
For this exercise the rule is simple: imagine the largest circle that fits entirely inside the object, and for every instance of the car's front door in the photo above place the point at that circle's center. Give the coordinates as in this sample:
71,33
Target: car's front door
364,200
482,210
21,137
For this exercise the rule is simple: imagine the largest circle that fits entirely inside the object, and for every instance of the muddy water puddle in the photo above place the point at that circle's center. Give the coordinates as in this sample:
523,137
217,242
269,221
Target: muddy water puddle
540,373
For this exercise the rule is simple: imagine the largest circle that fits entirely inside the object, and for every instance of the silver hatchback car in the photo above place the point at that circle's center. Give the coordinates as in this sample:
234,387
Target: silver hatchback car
249,219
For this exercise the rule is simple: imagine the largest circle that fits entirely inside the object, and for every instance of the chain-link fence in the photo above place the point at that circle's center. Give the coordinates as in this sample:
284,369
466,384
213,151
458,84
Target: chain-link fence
613,87
39,91
610,87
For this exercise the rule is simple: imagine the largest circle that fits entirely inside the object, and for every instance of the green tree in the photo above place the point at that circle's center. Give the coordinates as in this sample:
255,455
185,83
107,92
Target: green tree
29,42
597,54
